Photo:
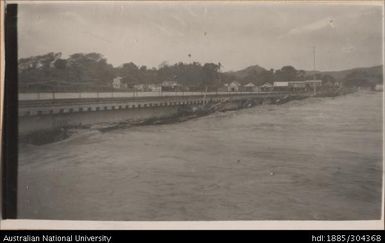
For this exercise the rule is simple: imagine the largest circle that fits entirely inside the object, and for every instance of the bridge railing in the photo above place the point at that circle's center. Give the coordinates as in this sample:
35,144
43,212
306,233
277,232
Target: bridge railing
102,95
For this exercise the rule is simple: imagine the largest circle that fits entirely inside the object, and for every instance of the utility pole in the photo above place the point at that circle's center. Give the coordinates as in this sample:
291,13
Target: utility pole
314,52
314,47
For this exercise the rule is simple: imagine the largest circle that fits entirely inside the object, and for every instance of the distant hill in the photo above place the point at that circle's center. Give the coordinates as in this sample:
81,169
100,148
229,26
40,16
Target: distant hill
362,76
247,72
372,72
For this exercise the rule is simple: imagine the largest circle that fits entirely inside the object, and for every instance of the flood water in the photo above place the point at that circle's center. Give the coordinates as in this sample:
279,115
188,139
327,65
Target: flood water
314,159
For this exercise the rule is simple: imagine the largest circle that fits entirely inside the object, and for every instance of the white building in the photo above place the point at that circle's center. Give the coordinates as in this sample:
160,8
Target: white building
250,87
266,87
155,87
139,87
170,86
233,86
297,84
117,83
281,84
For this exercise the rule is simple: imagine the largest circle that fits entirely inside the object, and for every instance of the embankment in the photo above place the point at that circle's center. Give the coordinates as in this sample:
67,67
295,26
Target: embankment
53,127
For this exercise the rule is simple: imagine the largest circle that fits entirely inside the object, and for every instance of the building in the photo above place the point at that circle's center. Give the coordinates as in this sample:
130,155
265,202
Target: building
233,86
154,87
148,87
281,84
313,83
250,87
290,85
297,85
117,83
170,86
139,87
266,87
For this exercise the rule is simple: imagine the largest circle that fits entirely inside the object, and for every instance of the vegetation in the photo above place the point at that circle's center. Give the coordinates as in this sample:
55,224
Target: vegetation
362,78
92,72
78,72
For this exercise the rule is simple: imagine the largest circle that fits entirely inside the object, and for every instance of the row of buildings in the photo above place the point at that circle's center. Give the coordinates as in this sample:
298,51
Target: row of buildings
277,86
234,86
164,86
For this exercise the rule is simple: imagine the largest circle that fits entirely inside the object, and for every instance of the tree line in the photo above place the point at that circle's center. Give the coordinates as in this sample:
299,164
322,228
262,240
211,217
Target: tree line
92,72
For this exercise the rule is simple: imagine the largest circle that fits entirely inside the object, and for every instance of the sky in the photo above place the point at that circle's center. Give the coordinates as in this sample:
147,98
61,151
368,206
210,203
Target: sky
236,34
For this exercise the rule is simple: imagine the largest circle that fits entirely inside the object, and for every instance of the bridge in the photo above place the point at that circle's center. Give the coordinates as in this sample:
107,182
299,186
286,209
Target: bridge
32,104
39,111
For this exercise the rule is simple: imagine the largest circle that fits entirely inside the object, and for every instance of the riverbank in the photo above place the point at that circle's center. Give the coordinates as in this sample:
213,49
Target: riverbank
180,114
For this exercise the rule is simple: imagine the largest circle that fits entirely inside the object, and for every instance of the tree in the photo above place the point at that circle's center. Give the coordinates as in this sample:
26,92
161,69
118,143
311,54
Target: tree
286,73
211,75
90,68
265,76
130,73
357,79
301,75
60,64
39,71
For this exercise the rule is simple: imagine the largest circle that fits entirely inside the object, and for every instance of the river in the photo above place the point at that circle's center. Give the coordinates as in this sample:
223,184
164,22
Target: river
313,159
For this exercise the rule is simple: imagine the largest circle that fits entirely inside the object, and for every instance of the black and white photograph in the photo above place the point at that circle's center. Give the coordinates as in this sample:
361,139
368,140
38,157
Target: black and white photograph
200,111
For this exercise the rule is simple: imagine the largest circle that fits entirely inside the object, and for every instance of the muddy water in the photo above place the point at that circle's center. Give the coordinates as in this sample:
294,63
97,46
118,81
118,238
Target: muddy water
319,158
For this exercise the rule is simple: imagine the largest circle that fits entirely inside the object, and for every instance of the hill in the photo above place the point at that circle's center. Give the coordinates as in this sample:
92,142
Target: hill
372,74
246,72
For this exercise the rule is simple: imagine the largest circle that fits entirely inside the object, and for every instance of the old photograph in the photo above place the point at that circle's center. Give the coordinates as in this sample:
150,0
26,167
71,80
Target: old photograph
200,111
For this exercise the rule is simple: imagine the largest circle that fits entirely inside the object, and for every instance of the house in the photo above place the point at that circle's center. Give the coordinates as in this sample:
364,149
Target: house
154,87
117,83
250,87
266,87
233,86
170,86
139,87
